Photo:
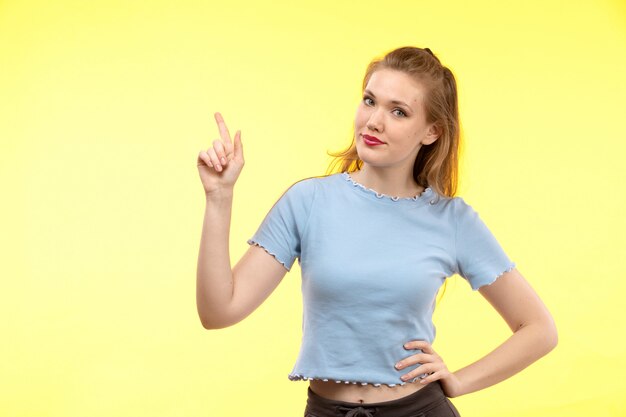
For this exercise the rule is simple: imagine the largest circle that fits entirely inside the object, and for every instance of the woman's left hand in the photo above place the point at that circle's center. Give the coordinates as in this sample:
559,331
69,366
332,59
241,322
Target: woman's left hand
431,363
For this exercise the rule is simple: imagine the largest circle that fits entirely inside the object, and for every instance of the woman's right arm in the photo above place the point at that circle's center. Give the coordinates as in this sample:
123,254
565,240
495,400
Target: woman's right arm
214,281
225,296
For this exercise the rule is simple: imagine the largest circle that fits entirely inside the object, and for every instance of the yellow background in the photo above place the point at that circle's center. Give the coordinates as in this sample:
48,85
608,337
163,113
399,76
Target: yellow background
104,106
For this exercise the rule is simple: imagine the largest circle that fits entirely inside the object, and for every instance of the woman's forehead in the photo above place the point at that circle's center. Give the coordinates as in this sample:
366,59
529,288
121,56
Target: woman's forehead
390,85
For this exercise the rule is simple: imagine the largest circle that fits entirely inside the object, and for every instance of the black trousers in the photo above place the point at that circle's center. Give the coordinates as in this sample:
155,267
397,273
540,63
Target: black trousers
429,401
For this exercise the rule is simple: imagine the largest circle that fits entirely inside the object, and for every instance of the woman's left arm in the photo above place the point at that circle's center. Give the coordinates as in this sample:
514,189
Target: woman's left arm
534,335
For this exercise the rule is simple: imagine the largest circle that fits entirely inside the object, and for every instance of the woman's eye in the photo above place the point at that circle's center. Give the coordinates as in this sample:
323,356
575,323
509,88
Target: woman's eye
368,98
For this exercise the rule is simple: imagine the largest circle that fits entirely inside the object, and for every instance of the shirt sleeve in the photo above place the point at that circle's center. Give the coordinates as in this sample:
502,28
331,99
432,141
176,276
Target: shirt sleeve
480,259
281,231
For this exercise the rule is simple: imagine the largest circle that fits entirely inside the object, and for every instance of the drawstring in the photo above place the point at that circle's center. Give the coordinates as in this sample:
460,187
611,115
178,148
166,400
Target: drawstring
358,411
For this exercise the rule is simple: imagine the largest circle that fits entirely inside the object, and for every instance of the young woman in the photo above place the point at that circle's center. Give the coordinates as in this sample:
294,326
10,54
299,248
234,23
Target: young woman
375,242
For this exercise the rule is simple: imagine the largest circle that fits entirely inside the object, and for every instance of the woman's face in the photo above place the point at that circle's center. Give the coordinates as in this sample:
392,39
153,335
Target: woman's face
401,126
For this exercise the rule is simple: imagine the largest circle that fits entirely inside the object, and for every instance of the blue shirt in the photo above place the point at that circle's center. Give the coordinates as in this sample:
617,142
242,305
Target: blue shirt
371,266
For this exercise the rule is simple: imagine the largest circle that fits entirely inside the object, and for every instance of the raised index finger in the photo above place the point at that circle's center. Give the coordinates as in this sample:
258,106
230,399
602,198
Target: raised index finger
222,127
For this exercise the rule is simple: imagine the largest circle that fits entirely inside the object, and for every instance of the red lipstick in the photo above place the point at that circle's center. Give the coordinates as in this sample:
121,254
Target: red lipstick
371,140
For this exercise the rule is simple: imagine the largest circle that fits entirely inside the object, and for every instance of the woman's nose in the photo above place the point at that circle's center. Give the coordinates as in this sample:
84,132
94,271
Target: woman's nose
375,122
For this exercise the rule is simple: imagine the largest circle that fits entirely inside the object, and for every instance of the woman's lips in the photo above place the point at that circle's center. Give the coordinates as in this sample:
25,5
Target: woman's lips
371,141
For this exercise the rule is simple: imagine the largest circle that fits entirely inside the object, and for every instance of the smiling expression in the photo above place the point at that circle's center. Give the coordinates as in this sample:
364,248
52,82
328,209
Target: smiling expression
392,111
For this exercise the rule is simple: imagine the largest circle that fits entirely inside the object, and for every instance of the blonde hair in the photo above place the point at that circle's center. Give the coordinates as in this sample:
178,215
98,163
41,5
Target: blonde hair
436,165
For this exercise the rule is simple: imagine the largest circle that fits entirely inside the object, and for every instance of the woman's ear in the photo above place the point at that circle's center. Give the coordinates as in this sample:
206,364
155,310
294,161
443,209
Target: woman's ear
434,131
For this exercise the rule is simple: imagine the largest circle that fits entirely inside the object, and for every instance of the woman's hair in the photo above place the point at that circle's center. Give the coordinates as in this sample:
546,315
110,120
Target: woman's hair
436,165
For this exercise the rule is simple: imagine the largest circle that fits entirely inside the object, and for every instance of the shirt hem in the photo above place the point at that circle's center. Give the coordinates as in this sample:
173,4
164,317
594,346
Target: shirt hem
298,377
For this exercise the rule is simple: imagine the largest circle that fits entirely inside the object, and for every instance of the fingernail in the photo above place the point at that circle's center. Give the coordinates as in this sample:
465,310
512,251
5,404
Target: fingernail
219,167
223,160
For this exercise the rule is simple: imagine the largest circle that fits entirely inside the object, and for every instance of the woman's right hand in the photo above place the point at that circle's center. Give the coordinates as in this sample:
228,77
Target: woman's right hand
219,166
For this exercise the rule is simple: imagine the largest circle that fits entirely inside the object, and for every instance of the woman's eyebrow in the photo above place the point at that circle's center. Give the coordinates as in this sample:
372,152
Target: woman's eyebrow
392,101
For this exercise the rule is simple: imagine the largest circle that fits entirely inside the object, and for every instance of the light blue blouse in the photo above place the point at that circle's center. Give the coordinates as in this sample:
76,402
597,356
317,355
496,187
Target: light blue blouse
371,268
